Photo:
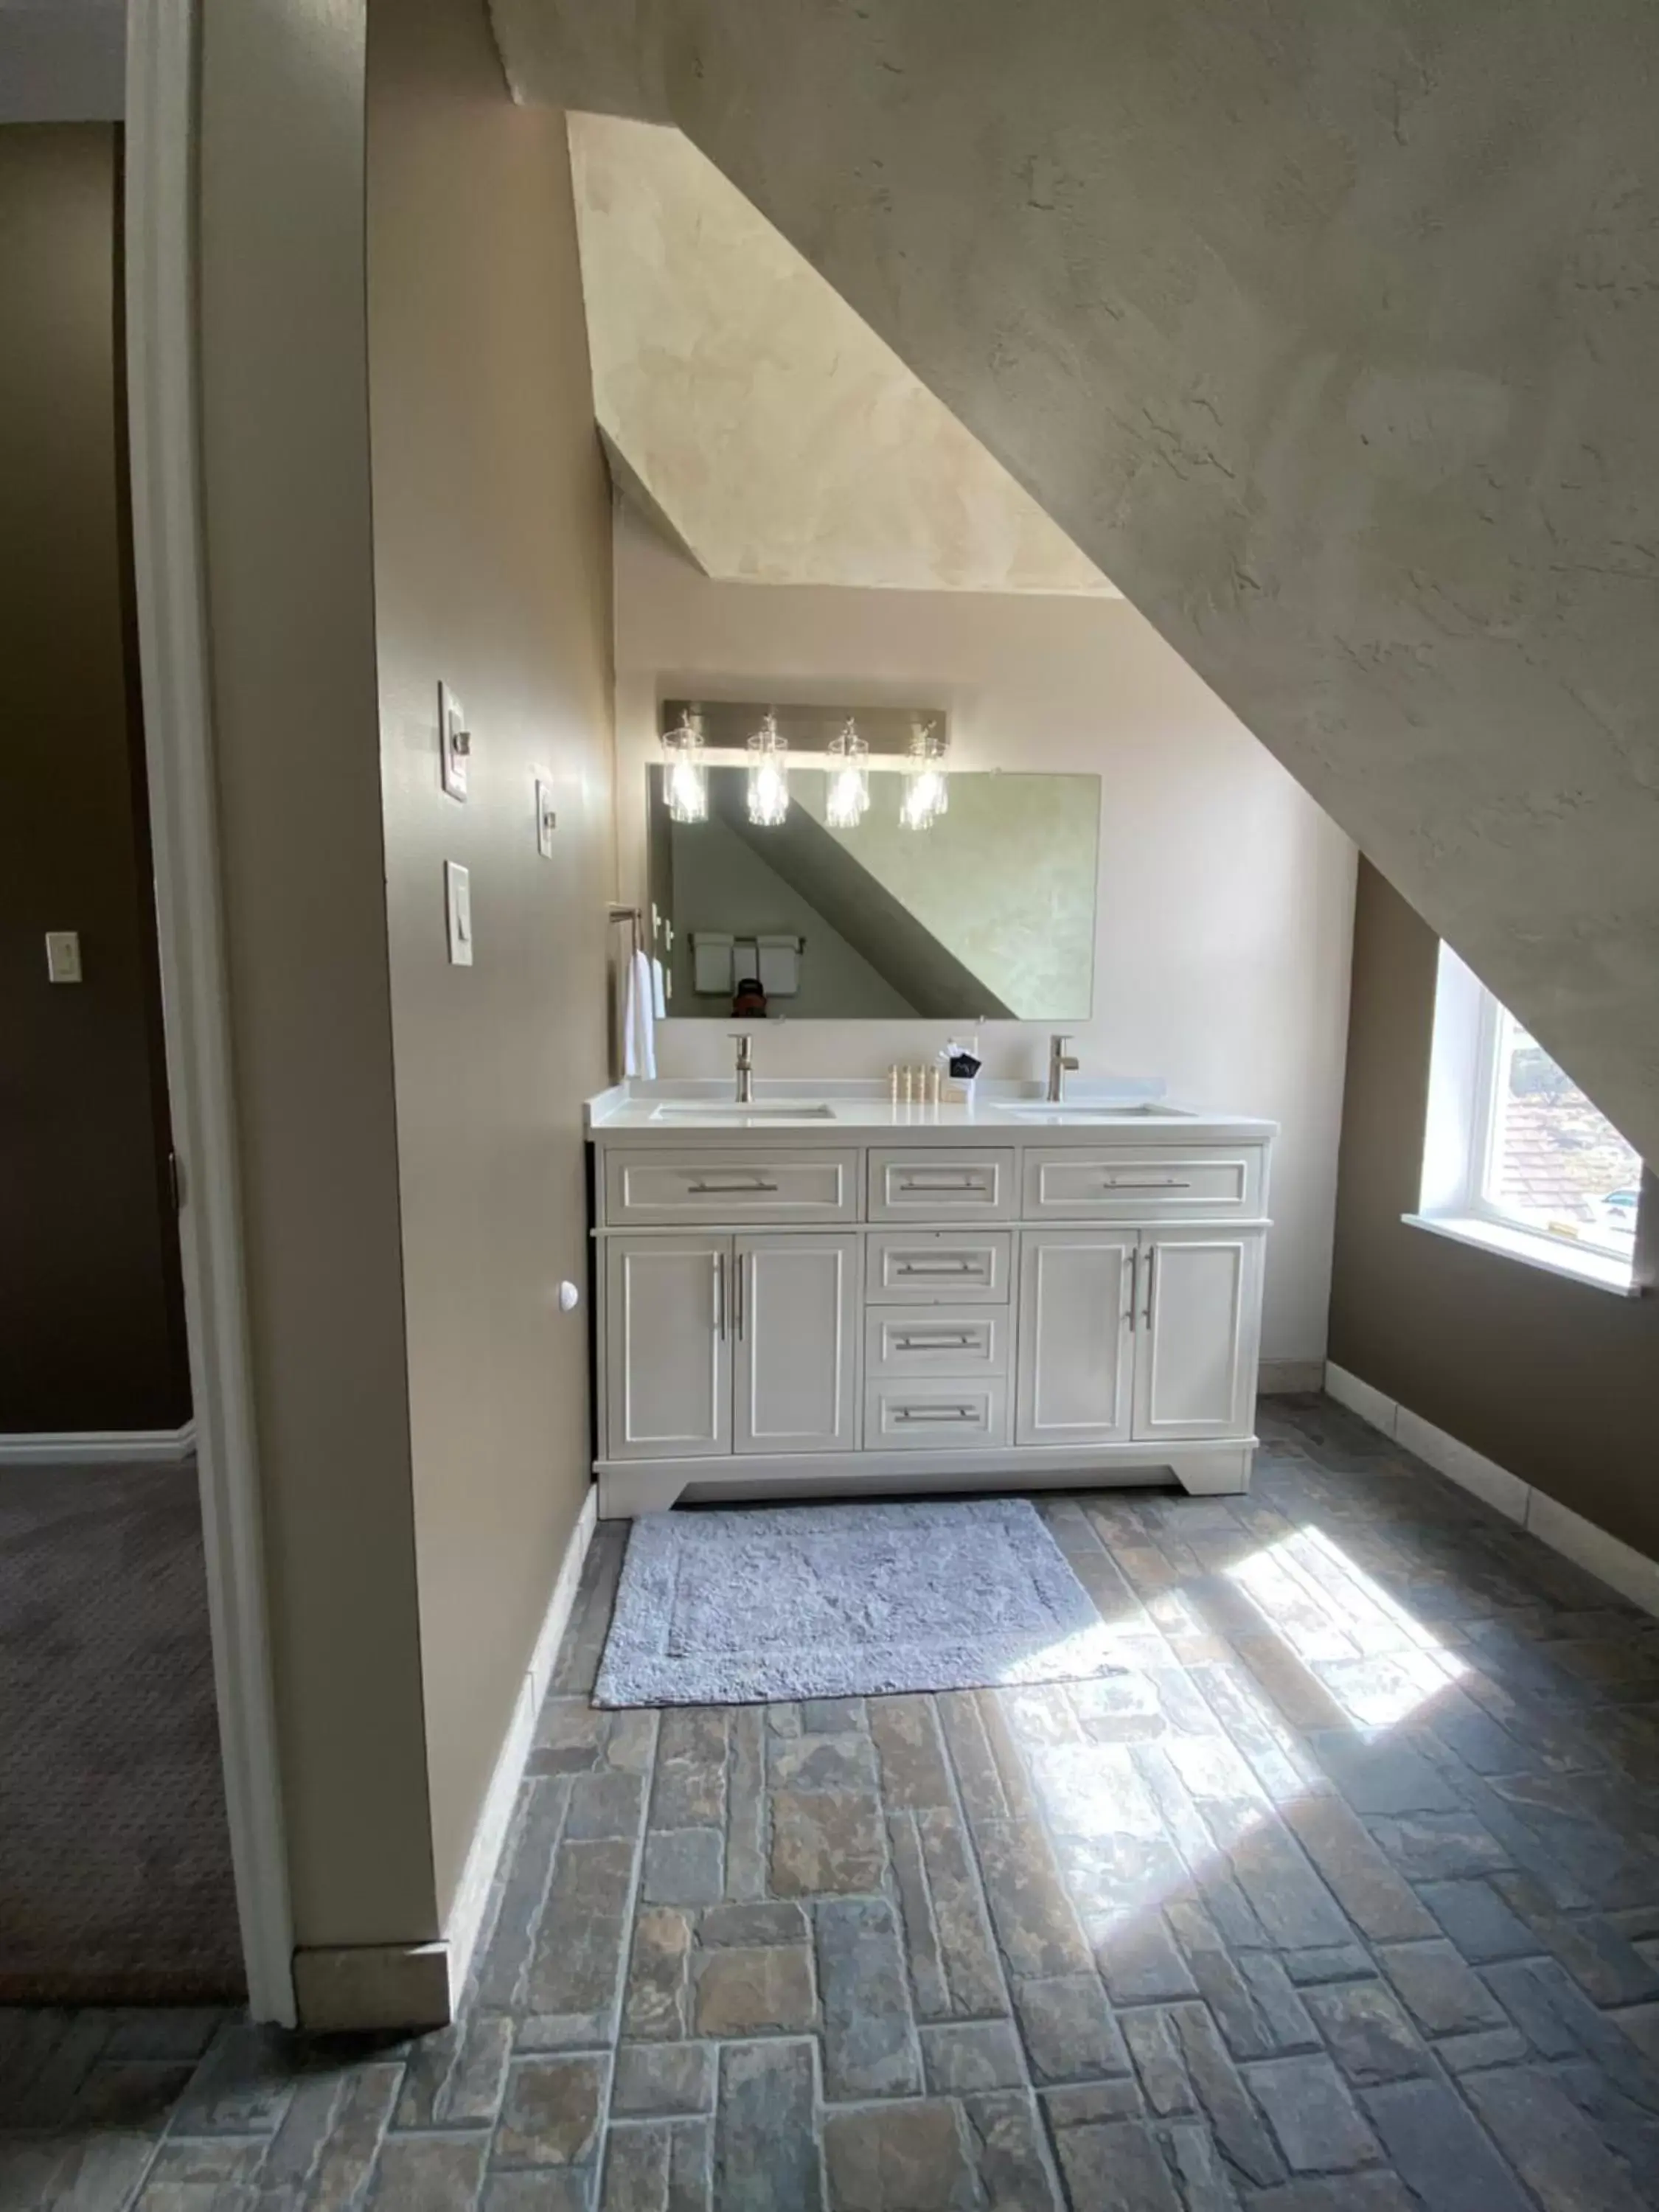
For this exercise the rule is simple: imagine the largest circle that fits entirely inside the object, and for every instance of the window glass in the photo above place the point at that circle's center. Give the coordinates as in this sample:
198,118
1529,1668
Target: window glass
1553,1163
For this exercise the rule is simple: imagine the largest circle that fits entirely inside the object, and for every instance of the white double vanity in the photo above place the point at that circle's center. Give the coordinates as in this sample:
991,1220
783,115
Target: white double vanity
821,1291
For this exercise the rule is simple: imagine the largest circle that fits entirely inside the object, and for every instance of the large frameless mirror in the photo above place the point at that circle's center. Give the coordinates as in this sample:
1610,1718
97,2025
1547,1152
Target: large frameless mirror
857,875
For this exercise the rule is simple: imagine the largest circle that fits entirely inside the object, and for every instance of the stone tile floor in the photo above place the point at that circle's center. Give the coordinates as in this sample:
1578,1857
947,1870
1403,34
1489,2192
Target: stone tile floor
1344,1894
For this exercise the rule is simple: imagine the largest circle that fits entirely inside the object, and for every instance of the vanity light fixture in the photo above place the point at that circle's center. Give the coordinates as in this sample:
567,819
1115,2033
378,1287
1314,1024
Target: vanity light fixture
926,789
768,775
848,795
686,776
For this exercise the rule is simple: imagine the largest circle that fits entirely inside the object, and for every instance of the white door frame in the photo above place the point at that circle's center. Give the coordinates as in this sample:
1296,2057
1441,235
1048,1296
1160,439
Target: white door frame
163,386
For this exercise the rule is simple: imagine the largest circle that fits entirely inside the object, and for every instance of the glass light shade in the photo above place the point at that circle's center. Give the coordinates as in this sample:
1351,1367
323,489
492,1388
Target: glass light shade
685,777
849,793
927,788
769,776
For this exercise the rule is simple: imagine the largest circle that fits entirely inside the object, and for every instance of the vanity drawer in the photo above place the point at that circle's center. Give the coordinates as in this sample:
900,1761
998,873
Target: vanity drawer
914,1183
646,1189
1143,1182
943,1266
971,1341
941,1416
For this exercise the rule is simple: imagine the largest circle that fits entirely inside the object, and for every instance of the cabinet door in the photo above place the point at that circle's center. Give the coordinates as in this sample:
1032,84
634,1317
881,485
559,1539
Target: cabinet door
1196,1349
1073,1367
668,1346
794,1348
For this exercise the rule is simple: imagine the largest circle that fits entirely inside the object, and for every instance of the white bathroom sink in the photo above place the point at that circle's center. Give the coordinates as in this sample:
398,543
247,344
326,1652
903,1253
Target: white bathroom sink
1086,1109
778,1110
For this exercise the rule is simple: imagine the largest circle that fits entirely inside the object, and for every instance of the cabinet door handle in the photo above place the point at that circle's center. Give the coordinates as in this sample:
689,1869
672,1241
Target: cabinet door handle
1158,1182
739,1277
745,1190
941,1183
941,1413
939,1268
1132,1316
939,1340
719,1294
1151,1272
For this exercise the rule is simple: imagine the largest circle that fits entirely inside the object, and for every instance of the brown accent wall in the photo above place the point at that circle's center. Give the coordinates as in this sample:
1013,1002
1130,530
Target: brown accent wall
492,559
91,1310
1557,1380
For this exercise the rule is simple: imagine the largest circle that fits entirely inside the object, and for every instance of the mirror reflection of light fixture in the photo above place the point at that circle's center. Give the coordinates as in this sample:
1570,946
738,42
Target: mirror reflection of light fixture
926,789
768,775
685,777
848,795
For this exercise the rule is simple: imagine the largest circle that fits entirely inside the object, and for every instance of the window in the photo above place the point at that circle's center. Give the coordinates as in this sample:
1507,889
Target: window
1516,1157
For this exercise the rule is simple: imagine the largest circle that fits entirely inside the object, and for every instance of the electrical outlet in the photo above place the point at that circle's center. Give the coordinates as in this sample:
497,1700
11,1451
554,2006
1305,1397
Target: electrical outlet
458,905
454,742
547,818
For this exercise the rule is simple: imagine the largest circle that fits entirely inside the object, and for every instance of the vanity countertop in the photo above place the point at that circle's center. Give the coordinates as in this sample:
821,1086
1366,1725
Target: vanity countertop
803,1112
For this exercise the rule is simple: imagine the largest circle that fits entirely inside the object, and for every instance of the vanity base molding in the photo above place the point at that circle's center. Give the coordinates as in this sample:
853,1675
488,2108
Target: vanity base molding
630,1488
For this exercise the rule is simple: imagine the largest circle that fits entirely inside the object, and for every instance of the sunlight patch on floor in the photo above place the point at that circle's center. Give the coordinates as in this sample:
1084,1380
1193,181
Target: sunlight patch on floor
1375,1657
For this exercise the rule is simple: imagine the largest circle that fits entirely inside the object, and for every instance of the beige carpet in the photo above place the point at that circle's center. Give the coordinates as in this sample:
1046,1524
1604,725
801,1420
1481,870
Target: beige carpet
115,1883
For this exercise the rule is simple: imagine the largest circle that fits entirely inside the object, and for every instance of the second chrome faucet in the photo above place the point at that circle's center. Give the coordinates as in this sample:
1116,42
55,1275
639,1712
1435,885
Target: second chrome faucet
1062,1062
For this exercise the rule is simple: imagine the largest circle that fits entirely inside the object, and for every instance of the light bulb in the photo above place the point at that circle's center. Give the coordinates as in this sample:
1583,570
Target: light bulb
848,795
769,776
685,781
927,788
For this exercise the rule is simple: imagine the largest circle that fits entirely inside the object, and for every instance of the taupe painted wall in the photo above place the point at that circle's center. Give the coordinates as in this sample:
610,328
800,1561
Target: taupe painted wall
1555,1380
492,548
297,726
1327,329
91,1312
412,1153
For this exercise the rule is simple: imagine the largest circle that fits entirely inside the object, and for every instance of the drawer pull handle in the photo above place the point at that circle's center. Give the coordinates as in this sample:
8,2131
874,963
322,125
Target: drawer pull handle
942,1182
960,1341
755,1183
936,1412
940,1267
1159,1182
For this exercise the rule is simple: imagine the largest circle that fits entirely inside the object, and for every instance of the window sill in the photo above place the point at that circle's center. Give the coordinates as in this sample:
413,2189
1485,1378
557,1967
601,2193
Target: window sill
1555,1256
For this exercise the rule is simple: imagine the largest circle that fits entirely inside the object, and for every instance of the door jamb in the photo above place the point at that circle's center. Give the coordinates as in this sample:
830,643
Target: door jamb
162,137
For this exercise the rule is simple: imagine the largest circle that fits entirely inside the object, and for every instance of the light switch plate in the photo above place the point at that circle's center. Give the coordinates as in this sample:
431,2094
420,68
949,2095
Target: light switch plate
458,904
547,817
64,955
454,742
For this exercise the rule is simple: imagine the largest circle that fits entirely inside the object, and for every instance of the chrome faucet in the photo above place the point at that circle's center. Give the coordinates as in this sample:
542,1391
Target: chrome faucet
745,1070
1061,1063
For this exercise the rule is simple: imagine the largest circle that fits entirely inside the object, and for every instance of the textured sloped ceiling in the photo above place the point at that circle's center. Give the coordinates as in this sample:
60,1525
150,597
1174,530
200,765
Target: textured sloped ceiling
770,430
1327,328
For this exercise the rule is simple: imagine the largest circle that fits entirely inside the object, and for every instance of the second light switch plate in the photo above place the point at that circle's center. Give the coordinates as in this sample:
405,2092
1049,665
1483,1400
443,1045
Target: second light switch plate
458,902
454,742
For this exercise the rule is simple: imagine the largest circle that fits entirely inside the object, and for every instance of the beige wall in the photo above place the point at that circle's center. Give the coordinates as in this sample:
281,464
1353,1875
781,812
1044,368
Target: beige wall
289,554
1223,927
492,572
421,1404
1555,1380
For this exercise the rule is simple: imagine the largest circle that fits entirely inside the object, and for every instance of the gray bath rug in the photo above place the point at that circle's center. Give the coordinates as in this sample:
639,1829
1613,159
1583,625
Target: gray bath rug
727,1608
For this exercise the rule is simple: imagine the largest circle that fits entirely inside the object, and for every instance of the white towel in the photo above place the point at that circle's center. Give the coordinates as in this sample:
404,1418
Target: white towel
639,1021
778,958
711,964
658,991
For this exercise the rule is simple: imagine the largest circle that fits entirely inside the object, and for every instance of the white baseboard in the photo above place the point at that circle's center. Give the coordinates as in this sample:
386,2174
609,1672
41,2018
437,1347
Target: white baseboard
1286,1378
90,1447
495,1816
1620,1565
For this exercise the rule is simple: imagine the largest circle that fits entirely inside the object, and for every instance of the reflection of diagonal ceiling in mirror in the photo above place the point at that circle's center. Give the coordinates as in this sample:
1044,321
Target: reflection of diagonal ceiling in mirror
759,421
